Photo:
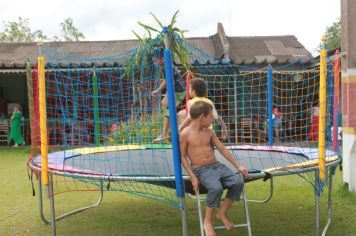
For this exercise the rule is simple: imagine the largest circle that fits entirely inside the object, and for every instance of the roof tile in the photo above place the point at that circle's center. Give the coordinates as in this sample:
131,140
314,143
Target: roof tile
207,50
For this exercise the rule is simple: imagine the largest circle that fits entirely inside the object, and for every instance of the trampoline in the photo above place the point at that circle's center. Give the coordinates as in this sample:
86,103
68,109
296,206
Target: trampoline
73,104
155,163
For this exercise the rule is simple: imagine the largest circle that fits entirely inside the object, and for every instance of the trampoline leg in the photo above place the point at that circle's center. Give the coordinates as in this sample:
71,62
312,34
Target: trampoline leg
86,207
184,216
52,207
269,196
247,214
200,214
40,198
51,199
329,204
69,213
317,207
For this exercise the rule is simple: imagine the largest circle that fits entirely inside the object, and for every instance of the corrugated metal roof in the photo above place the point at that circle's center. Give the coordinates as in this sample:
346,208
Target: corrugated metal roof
240,50
267,49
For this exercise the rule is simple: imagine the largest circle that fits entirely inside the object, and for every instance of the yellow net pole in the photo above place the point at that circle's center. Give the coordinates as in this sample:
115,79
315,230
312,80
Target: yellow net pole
322,114
43,119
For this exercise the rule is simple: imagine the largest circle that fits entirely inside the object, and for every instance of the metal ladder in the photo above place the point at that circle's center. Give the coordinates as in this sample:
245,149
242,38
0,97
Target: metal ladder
247,215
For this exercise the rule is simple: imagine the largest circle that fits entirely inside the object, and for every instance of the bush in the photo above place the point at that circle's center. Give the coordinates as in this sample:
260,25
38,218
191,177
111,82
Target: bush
140,130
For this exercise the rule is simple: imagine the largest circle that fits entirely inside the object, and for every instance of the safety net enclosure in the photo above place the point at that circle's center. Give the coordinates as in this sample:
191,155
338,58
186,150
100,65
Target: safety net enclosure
98,119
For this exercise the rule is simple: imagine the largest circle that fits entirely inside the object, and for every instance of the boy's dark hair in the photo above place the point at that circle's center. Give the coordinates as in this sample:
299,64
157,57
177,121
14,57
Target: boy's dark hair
158,52
198,85
200,108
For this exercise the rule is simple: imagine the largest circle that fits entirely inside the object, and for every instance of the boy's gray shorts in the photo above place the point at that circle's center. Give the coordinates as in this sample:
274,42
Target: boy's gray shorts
215,178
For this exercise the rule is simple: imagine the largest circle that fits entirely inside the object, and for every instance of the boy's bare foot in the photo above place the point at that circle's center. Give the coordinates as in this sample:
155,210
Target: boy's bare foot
228,224
209,229
160,138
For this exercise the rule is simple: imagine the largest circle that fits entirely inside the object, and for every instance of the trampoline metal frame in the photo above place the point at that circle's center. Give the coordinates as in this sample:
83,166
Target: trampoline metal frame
317,206
254,176
53,219
269,197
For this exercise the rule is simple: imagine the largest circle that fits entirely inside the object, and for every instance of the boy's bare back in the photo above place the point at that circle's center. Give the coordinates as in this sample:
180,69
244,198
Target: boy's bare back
198,146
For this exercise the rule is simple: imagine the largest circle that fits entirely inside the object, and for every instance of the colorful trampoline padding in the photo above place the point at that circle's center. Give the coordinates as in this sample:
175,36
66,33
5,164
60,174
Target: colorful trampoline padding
137,160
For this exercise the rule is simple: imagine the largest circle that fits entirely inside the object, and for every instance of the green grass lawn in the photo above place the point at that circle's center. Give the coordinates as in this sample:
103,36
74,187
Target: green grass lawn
290,212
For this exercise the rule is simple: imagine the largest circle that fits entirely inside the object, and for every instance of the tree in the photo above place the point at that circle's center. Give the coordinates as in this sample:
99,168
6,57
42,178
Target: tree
19,31
177,43
70,32
333,36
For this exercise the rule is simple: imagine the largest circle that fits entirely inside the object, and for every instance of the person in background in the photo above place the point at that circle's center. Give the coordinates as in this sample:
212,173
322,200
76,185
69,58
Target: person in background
314,120
179,90
15,127
277,121
197,92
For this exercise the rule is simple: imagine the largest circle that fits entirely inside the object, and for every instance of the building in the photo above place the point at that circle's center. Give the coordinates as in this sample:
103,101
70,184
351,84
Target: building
243,52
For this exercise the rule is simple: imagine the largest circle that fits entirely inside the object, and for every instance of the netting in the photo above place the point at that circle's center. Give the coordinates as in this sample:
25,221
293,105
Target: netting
102,120
241,98
101,123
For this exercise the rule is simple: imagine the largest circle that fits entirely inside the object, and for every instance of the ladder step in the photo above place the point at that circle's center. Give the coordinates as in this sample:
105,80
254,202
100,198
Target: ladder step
235,226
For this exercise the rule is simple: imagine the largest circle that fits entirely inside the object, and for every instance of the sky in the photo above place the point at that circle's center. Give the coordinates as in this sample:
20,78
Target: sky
115,19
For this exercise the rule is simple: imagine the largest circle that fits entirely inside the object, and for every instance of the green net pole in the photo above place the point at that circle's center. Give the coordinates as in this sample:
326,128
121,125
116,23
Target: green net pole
96,109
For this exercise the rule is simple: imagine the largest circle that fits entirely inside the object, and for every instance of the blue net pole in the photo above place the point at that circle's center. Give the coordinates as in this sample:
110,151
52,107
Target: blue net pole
173,120
270,105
